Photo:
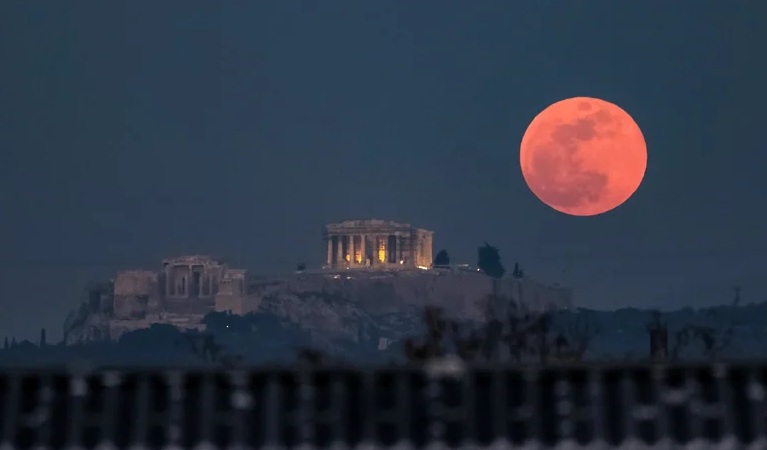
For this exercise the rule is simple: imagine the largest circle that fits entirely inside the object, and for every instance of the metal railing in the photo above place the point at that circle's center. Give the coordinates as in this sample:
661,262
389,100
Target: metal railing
720,406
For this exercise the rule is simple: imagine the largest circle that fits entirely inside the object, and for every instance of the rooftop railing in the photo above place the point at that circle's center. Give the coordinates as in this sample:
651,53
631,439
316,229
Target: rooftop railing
442,405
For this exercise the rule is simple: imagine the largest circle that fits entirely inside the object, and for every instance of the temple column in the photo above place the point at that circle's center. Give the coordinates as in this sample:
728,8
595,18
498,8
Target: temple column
167,281
348,239
188,281
330,250
200,292
407,249
429,250
374,250
339,249
363,257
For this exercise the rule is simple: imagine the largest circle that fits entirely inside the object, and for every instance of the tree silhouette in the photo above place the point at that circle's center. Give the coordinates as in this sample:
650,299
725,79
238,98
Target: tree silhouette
490,261
442,259
43,342
575,334
658,331
523,336
518,272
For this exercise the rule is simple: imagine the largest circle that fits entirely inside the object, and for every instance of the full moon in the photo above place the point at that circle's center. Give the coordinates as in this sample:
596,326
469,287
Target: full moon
583,156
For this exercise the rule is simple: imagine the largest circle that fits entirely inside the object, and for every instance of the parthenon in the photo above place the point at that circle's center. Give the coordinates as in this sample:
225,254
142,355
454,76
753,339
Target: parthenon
377,243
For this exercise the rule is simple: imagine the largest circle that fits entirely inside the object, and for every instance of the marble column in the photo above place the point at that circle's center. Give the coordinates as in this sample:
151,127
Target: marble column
339,250
330,250
188,281
348,239
373,249
407,249
363,257
168,273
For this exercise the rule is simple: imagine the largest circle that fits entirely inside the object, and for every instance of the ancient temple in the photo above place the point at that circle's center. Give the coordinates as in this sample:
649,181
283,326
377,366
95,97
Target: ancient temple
191,276
377,244
186,286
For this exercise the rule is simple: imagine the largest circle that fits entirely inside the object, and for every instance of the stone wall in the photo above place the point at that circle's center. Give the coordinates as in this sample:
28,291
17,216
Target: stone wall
135,294
180,294
231,291
462,294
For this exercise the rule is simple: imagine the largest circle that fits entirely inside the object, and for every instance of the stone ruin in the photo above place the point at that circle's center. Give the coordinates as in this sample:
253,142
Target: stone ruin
373,268
374,243
180,294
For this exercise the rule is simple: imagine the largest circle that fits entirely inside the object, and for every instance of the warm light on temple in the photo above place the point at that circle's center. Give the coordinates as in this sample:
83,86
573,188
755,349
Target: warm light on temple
376,243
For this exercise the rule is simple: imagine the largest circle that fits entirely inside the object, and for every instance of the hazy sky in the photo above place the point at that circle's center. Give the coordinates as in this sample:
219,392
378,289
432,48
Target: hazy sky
130,131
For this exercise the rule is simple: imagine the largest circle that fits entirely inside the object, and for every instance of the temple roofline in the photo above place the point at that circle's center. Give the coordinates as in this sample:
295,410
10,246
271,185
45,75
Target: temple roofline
341,227
193,259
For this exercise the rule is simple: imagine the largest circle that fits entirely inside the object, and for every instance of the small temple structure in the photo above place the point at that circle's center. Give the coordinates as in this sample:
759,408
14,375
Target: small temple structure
377,244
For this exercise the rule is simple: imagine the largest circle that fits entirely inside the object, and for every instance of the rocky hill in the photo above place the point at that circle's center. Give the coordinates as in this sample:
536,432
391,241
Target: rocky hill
342,306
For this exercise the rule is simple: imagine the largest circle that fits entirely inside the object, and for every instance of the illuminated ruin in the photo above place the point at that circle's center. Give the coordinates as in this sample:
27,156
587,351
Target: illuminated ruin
377,244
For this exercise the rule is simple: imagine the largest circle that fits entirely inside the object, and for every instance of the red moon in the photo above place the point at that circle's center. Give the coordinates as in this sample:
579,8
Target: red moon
583,156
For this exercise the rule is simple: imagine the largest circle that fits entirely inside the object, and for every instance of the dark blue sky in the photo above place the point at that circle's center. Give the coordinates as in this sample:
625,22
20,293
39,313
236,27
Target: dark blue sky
133,131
